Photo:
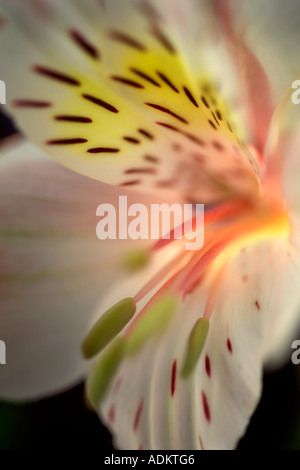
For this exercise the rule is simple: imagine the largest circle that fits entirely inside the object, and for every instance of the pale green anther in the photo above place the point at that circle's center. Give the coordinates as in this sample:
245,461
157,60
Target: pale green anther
135,260
154,321
104,370
108,326
195,345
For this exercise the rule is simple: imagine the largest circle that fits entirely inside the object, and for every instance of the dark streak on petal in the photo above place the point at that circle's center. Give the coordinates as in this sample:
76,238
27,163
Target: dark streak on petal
190,96
167,111
126,81
212,125
146,134
130,183
206,407
229,345
213,115
229,127
111,414
138,415
151,158
117,385
103,150
217,146
99,102
67,118
173,378
207,365
127,40
162,38
146,77
31,104
146,171
66,141
194,139
219,115
82,42
168,126
204,101
131,140
189,136
55,75
167,81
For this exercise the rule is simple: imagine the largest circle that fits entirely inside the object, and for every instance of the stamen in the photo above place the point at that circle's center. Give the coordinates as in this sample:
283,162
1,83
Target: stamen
135,260
108,326
195,345
153,322
104,370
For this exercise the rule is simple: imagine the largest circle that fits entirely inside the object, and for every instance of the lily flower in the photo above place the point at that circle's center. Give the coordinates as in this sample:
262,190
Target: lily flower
171,100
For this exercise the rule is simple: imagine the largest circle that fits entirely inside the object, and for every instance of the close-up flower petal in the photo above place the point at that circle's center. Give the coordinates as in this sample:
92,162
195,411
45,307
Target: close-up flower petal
149,203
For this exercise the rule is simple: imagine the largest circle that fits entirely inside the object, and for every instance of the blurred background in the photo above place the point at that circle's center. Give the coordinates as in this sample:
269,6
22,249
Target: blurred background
64,420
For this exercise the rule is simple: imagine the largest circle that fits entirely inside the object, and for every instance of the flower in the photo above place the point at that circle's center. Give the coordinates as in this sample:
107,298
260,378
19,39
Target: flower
183,99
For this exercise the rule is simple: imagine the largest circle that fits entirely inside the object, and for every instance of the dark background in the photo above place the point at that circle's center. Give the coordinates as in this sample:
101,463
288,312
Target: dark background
64,421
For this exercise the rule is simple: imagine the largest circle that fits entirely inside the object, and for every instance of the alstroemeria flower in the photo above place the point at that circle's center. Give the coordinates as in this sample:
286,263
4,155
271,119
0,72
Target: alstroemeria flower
173,99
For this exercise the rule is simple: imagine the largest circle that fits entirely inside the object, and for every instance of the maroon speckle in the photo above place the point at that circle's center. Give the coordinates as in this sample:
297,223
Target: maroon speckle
229,346
111,414
68,118
151,158
103,150
100,102
55,75
130,183
84,43
257,305
117,385
131,140
207,365
163,109
142,171
205,407
141,447
126,81
173,378
177,147
138,415
127,40
66,141
31,104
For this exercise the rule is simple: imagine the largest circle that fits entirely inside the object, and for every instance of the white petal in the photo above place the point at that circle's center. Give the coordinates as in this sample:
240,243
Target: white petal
167,77
53,270
149,405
